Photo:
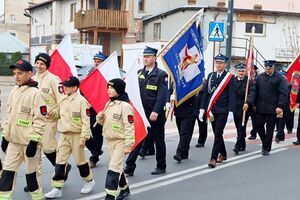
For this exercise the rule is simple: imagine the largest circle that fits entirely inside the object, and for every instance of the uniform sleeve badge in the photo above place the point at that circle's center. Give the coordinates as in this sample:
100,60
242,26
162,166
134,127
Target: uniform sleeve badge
60,89
43,110
130,119
88,112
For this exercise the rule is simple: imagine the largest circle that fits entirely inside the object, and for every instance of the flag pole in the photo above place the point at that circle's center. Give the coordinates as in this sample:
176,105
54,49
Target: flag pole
131,67
249,65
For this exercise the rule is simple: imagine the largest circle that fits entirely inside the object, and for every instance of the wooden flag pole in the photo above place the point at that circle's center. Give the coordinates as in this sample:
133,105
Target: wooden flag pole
58,103
249,65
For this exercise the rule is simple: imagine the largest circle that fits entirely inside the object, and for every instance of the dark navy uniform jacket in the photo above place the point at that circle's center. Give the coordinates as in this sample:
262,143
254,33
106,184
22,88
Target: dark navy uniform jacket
226,101
240,90
154,90
271,93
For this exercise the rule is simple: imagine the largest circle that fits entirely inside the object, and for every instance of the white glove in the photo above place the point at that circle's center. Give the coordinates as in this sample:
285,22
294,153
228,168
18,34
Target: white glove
172,97
168,106
230,117
201,113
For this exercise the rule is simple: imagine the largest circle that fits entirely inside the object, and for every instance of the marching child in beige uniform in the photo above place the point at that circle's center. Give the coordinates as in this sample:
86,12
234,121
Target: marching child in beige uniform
118,129
23,132
52,92
49,85
74,126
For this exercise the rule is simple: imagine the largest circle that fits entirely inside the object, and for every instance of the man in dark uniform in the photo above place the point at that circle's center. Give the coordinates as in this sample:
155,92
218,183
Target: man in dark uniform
284,120
94,144
271,97
186,114
218,100
202,125
153,88
253,132
297,142
240,105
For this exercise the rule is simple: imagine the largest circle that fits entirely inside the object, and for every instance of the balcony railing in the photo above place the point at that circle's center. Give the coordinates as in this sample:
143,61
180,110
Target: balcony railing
101,18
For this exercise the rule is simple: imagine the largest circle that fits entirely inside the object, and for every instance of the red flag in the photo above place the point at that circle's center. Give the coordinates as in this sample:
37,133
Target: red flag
94,86
133,90
62,60
252,74
294,67
293,77
295,81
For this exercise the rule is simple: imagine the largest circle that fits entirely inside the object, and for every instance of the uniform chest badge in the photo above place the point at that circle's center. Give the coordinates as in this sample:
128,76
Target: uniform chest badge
25,109
116,116
45,90
75,114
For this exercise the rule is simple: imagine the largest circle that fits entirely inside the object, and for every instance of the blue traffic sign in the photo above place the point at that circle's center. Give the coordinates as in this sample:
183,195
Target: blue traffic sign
216,31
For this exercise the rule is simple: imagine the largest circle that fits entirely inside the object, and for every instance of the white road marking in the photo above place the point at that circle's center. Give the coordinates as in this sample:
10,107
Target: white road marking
186,174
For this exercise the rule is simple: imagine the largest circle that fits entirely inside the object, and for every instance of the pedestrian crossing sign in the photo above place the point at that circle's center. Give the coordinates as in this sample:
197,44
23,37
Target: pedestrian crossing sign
216,31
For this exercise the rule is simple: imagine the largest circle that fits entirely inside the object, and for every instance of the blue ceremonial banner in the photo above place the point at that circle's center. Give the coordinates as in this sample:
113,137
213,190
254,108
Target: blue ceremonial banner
183,59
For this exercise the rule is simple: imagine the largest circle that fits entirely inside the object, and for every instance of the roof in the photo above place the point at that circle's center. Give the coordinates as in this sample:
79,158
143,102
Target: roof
165,13
11,44
171,11
39,5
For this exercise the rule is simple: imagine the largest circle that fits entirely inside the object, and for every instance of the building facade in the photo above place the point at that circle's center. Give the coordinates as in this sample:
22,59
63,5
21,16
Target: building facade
276,35
14,21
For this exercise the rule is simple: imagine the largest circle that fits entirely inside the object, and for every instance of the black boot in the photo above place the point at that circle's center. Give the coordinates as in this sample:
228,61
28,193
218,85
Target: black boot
124,194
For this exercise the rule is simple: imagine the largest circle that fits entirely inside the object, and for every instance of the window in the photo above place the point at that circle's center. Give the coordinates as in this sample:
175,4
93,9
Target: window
37,34
141,5
12,19
51,16
157,31
72,11
259,28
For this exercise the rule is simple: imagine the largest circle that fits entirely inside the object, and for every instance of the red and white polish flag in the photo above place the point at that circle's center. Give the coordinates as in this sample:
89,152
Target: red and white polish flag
62,60
133,90
94,86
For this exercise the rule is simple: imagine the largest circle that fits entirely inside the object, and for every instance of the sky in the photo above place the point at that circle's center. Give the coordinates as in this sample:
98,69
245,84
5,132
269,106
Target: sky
1,7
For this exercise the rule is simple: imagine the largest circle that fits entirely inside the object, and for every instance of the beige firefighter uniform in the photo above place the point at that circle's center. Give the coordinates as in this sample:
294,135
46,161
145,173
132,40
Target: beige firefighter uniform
26,122
74,123
118,129
51,93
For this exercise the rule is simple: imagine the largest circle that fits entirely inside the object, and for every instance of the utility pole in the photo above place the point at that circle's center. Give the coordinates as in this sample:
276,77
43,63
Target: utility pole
229,31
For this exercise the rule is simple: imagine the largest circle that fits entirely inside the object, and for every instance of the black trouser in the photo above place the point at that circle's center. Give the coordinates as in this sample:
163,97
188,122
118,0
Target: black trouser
253,132
289,120
185,129
218,126
202,130
94,144
280,128
148,145
241,130
298,128
266,135
157,131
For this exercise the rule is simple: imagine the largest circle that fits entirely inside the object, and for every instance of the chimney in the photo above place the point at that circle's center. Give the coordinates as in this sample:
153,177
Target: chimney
221,4
192,2
257,7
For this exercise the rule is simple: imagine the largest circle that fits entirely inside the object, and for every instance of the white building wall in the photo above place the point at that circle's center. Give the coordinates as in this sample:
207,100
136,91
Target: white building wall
68,26
41,22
